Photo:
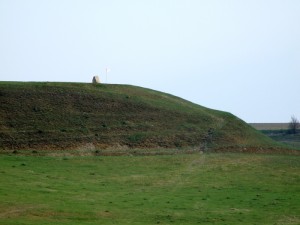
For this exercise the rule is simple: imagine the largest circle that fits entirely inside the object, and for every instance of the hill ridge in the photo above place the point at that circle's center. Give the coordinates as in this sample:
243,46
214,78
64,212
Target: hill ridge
50,115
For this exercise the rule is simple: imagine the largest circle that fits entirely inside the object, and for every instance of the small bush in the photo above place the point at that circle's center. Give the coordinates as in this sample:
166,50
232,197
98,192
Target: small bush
36,109
136,137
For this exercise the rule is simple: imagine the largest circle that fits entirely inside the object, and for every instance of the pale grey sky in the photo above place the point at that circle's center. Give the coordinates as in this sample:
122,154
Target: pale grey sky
240,56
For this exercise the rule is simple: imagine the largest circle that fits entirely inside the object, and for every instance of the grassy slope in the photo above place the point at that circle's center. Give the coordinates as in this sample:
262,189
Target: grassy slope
182,189
77,115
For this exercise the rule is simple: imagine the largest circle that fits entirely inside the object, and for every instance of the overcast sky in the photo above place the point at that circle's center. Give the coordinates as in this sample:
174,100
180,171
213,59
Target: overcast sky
240,56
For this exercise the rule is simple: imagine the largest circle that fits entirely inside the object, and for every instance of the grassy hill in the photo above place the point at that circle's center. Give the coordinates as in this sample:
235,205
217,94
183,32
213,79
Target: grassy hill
100,116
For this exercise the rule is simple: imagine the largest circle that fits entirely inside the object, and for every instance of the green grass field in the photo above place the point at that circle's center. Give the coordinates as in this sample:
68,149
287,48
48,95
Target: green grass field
177,189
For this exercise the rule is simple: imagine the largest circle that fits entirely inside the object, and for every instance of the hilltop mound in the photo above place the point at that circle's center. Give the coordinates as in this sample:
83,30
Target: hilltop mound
73,115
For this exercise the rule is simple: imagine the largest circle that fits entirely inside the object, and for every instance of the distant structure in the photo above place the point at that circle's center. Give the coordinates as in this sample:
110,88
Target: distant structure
96,80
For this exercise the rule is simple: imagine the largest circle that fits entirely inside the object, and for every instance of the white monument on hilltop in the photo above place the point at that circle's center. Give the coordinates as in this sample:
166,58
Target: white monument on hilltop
96,80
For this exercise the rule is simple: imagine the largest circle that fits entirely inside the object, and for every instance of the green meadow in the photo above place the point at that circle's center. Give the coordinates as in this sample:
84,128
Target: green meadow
172,189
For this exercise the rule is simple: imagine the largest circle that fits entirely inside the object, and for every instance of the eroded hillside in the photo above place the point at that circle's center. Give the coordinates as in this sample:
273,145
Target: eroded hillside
72,115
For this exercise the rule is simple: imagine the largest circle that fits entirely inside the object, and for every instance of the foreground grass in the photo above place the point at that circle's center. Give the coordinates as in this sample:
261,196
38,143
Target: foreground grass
178,189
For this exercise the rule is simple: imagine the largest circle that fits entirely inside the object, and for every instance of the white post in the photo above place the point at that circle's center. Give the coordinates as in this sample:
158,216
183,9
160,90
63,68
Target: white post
107,70
106,75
